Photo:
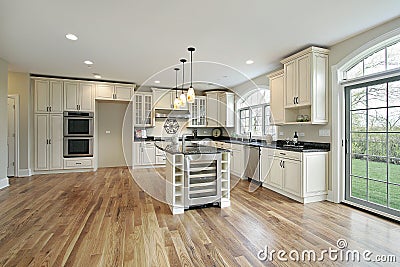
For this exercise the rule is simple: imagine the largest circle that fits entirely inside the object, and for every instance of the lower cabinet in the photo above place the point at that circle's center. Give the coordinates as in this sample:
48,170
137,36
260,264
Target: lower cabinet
300,176
144,153
49,141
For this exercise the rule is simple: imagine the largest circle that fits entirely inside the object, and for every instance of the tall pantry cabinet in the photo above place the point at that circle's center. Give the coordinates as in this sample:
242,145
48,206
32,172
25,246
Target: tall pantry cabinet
48,124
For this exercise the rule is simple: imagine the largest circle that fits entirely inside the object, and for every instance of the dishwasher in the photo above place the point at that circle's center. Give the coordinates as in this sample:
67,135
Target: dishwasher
252,169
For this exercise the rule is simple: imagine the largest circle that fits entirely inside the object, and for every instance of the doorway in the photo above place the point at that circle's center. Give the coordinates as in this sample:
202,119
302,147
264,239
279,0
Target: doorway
12,135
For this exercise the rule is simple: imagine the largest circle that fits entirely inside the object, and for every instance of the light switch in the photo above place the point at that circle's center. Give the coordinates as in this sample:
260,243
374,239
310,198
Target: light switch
108,132
302,134
324,132
281,133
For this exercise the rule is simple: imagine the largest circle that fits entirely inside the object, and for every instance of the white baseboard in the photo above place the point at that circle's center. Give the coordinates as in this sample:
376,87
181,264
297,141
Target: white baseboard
330,196
4,183
24,172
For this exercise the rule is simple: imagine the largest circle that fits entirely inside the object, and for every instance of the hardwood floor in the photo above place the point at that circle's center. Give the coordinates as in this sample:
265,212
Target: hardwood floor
104,218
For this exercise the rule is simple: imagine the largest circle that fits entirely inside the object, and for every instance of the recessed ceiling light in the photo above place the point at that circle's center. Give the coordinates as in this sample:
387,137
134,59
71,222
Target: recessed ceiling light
97,76
71,36
248,62
156,81
88,62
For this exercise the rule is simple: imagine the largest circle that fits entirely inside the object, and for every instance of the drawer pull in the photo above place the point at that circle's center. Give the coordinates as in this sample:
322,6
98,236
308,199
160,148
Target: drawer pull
282,153
78,163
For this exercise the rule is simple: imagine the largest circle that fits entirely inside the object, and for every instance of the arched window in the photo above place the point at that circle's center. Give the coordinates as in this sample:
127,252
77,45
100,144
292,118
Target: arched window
254,113
385,58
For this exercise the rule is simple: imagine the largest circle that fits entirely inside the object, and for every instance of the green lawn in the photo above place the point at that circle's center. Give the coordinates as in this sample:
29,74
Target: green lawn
377,191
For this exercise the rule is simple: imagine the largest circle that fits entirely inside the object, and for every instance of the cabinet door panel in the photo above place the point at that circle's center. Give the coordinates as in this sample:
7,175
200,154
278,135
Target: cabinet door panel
304,80
86,96
71,96
212,109
148,155
290,83
56,137
292,177
137,153
104,91
274,176
222,109
41,134
41,96
123,92
266,162
138,109
277,100
56,96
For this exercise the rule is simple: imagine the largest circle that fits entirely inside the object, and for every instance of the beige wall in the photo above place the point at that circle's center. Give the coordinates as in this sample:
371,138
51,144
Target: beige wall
19,84
3,119
110,117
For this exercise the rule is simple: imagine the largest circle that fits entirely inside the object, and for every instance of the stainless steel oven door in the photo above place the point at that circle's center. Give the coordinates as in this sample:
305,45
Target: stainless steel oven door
78,126
78,147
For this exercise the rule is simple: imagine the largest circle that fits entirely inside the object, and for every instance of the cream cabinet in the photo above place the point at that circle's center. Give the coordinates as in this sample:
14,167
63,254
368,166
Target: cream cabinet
163,99
49,141
144,153
212,109
306,85
143,109
300,176
78,96
120,92
48,96
277,101
265,163
238,160
220,109
198,111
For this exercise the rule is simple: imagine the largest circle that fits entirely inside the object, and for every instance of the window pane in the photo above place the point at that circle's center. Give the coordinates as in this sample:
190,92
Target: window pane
358,121
359,187
394,120
359,143
377,192
377,168
375,62
377,96
356,71
358,98
377,144
394,93
394,196
256,121
393,56
394,158
377,120
359,166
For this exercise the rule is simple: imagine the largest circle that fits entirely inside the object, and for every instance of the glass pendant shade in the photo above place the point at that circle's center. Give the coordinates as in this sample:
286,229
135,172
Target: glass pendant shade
177,103
191,95
183,99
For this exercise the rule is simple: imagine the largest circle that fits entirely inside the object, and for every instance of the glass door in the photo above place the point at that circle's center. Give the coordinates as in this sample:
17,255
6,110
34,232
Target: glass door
373,144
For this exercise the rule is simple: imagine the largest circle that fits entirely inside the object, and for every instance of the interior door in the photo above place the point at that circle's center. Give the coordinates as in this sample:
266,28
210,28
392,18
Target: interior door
11,137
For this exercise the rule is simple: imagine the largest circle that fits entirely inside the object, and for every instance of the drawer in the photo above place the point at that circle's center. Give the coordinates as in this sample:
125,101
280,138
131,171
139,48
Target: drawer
78,163
287,154
159,152
161,159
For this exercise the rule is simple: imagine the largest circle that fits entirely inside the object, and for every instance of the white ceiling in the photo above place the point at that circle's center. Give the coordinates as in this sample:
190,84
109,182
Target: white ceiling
135,40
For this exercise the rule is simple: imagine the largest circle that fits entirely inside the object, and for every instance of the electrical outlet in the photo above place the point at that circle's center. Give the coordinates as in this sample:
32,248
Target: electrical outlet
281,133
324,132
205,131
302,134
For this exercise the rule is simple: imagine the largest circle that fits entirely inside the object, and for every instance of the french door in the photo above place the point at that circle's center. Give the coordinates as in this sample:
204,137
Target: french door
373,144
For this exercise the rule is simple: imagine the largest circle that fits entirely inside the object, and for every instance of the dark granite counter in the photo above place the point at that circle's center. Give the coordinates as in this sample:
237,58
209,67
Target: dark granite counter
187,150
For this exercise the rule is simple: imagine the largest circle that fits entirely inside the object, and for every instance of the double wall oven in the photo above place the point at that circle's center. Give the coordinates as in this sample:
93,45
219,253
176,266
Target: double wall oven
78,134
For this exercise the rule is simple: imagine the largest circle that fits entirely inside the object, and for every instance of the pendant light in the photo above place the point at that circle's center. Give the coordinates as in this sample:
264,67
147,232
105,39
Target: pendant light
177,101
183,97
191,95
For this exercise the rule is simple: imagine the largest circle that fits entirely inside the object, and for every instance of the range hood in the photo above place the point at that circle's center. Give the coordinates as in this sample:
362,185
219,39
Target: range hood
172,113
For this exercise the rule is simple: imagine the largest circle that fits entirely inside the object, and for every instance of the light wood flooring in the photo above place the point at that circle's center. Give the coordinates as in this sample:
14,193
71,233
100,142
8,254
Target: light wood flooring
104,218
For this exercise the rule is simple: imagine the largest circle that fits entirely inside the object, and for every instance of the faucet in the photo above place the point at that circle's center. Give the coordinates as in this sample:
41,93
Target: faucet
250,136
184,139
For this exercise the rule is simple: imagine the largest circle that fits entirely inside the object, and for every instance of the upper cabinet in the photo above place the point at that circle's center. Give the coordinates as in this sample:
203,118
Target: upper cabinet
143,109
120,92
198,111
78,96
220,109
277,100
48,96
305,86
163,98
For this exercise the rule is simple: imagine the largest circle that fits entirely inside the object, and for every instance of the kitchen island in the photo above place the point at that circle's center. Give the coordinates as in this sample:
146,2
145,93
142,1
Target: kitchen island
196,175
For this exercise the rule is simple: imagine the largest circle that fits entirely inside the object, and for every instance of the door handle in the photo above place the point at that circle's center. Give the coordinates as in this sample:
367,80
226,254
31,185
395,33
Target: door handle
49,141
283,164
297,100
50,109
47,109
294,100
280,163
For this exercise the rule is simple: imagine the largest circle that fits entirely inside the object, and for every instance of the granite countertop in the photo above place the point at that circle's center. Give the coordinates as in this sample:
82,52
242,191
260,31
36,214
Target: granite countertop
170,148
280,144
